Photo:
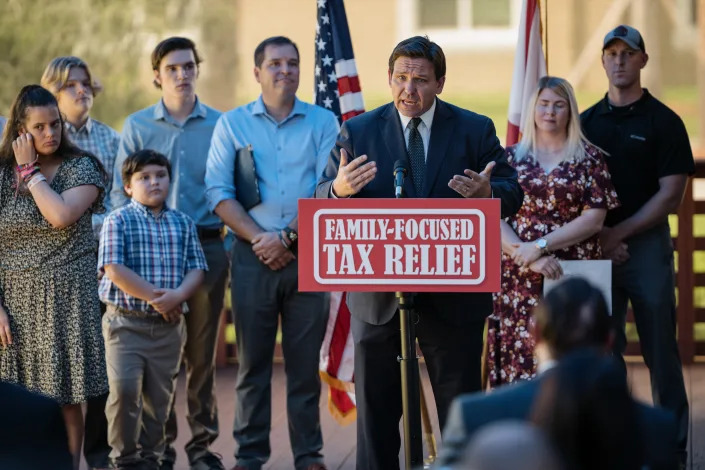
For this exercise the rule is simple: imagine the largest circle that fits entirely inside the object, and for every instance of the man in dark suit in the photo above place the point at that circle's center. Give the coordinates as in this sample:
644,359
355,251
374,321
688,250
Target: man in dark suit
33,433
452,153
571,317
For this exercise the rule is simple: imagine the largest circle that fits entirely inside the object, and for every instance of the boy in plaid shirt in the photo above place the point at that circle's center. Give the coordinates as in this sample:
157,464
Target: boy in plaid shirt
152,263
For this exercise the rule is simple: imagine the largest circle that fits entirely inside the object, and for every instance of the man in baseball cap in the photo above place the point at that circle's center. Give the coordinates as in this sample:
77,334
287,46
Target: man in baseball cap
649,160
626,34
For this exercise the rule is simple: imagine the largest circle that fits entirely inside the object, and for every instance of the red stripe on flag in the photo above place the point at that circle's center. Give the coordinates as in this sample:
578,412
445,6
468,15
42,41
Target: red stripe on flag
342,402
531,11
512,134
351,114
339,338
348,85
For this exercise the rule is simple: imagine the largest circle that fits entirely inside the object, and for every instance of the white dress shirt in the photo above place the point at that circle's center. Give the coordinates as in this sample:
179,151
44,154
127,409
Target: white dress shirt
424,127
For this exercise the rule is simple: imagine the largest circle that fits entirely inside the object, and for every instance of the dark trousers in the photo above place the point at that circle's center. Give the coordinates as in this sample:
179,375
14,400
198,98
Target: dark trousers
260,298
95,431
95,434
647,280
202,322
453,358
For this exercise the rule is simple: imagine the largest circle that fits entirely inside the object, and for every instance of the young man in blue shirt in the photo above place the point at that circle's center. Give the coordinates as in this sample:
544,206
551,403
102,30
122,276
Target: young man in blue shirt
180,127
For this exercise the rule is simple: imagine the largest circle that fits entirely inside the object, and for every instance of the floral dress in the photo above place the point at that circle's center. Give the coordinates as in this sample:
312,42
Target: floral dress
550,201
49,290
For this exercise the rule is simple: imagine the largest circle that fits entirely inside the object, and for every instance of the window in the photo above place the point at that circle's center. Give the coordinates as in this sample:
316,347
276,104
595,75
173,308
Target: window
490,13
461,24
437,13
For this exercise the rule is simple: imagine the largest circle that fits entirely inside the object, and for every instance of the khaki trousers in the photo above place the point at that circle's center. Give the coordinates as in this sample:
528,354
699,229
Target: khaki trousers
143,354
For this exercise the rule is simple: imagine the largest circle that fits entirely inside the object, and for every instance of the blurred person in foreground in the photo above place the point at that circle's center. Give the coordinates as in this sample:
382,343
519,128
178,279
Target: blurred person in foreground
33,433
572,316
586,410
650,160
508,445
49,307
567,192
74,86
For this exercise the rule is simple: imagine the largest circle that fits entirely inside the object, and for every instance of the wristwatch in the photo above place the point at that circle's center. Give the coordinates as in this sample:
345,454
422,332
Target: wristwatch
291,237
542,245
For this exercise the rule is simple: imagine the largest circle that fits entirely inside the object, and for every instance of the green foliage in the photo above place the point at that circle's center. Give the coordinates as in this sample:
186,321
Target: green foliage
115,38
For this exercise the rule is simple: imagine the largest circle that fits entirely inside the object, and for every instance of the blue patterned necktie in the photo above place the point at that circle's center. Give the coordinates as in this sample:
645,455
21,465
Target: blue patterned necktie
417,156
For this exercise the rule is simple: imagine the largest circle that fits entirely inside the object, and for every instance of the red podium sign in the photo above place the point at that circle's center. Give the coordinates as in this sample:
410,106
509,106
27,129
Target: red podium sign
406,245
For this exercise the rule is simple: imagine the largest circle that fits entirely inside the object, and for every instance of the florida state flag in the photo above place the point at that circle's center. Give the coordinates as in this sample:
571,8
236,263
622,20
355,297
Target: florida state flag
529,66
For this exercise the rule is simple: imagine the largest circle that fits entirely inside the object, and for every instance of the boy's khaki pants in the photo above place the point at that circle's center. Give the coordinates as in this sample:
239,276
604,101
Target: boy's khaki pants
143,354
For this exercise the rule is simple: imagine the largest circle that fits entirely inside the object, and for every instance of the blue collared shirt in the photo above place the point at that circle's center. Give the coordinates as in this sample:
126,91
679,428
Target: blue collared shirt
185,145
161,249
289,157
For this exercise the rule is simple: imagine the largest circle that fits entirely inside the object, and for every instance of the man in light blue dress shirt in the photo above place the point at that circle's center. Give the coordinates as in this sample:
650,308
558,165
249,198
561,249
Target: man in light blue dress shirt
290,143
180,127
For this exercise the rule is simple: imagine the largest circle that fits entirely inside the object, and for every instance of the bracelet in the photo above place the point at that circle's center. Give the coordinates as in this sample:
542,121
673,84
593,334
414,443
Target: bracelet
21,166
284,242
28,168
35,180
26,176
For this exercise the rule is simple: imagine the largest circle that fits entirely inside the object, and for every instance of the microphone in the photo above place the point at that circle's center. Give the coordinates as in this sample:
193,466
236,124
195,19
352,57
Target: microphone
400,171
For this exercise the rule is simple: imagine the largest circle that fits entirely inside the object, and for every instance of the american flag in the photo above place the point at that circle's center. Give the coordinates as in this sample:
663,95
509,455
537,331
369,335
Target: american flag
336,84
337,87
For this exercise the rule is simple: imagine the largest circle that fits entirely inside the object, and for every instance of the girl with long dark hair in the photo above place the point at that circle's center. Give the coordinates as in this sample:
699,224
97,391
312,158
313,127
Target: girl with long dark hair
49,309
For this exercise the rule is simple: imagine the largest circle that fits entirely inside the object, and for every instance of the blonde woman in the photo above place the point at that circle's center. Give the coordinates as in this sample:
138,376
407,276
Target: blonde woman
567,192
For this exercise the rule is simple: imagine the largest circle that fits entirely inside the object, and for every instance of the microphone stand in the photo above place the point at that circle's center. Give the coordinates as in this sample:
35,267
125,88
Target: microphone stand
410,379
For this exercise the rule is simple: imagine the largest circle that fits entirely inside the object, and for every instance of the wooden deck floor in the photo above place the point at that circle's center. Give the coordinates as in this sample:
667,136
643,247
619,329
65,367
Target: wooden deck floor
339,442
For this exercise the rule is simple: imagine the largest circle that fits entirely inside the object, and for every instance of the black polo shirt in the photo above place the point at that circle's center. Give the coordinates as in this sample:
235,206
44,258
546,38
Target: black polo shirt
644,142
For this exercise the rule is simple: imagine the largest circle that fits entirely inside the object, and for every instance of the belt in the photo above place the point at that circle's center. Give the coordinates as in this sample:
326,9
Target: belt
153,316
205,233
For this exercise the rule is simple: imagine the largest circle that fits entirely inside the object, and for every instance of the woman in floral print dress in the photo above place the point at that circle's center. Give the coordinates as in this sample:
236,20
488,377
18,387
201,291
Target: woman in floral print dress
567,192
50,329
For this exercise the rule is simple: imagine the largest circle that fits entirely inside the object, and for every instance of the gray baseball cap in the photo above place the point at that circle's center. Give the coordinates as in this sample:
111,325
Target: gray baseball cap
625,33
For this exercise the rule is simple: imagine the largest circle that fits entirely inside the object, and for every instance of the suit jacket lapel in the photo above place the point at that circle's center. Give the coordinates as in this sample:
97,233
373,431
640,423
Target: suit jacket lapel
441,132
393,137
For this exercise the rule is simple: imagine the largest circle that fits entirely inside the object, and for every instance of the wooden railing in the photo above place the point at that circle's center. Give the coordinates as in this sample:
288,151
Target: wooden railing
686,244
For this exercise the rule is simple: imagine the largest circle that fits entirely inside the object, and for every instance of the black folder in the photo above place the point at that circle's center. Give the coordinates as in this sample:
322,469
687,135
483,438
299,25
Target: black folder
246,185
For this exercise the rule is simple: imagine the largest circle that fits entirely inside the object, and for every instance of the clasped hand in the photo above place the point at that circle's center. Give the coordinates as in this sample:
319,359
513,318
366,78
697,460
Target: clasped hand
168,303
613,247
525,253
548,266
269,250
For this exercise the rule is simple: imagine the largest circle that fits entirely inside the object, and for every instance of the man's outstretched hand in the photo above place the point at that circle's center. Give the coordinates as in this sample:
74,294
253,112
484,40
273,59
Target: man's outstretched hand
353,176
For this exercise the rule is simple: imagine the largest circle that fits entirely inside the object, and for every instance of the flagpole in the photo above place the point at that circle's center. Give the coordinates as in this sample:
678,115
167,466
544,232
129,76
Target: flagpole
545,28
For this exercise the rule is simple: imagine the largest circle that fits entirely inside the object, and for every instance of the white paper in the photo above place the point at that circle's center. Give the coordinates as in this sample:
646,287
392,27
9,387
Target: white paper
596,272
